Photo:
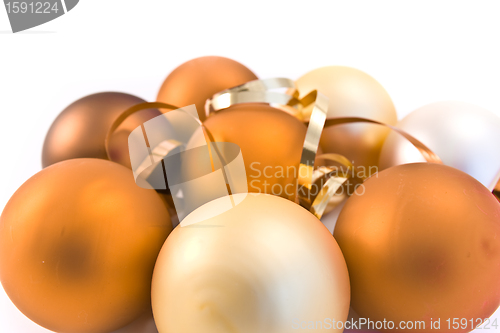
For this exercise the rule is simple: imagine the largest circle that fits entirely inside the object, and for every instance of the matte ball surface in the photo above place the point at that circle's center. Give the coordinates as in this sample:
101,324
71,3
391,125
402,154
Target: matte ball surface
422,242
352,93
258,267
271,142
80,130
78,243
198,79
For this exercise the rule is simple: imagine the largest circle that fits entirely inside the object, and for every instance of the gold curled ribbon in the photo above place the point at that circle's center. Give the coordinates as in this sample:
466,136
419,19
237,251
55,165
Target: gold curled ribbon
428,154
261,91
311,145
311,109
257,91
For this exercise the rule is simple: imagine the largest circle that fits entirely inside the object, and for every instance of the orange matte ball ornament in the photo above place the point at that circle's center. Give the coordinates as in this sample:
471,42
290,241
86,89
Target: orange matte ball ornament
78,243
271,142
422,243
198,79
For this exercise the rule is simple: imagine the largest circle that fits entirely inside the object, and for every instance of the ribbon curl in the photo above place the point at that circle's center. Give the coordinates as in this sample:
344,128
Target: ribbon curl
317,187
312,109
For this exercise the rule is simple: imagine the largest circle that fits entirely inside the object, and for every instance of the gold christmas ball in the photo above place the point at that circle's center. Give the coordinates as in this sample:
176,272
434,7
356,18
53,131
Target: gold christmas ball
80,130
422,244
271,142
352,93
78,243
263,266
198,79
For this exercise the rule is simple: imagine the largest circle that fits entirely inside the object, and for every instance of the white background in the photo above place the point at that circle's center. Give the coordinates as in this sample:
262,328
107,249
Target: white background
420,51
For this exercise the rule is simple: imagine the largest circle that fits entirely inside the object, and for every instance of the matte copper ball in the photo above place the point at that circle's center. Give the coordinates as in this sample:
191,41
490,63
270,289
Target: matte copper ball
271,142
78,243
352,93
80,130
198,79
422,243
266,265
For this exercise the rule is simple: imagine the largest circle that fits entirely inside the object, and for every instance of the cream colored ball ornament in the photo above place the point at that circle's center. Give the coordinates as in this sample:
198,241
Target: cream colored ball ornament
352,93
239,262
463,135
263,266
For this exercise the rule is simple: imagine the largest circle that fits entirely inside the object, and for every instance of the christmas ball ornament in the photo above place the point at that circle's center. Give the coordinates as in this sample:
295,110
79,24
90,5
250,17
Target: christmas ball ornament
195,81
78,243
80,130
421,244
352,93
261,266
463,135
271,142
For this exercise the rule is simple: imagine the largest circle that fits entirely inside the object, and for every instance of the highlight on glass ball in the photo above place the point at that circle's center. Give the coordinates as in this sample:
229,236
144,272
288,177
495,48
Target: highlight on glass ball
226,206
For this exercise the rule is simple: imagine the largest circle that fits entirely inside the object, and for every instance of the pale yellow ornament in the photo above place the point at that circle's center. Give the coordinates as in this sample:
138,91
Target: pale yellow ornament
267,265
352,93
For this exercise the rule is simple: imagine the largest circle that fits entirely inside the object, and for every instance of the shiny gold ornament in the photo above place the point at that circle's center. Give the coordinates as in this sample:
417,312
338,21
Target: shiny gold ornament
195,81
262,266
271,143
78,242
80,130
422,243
352,93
